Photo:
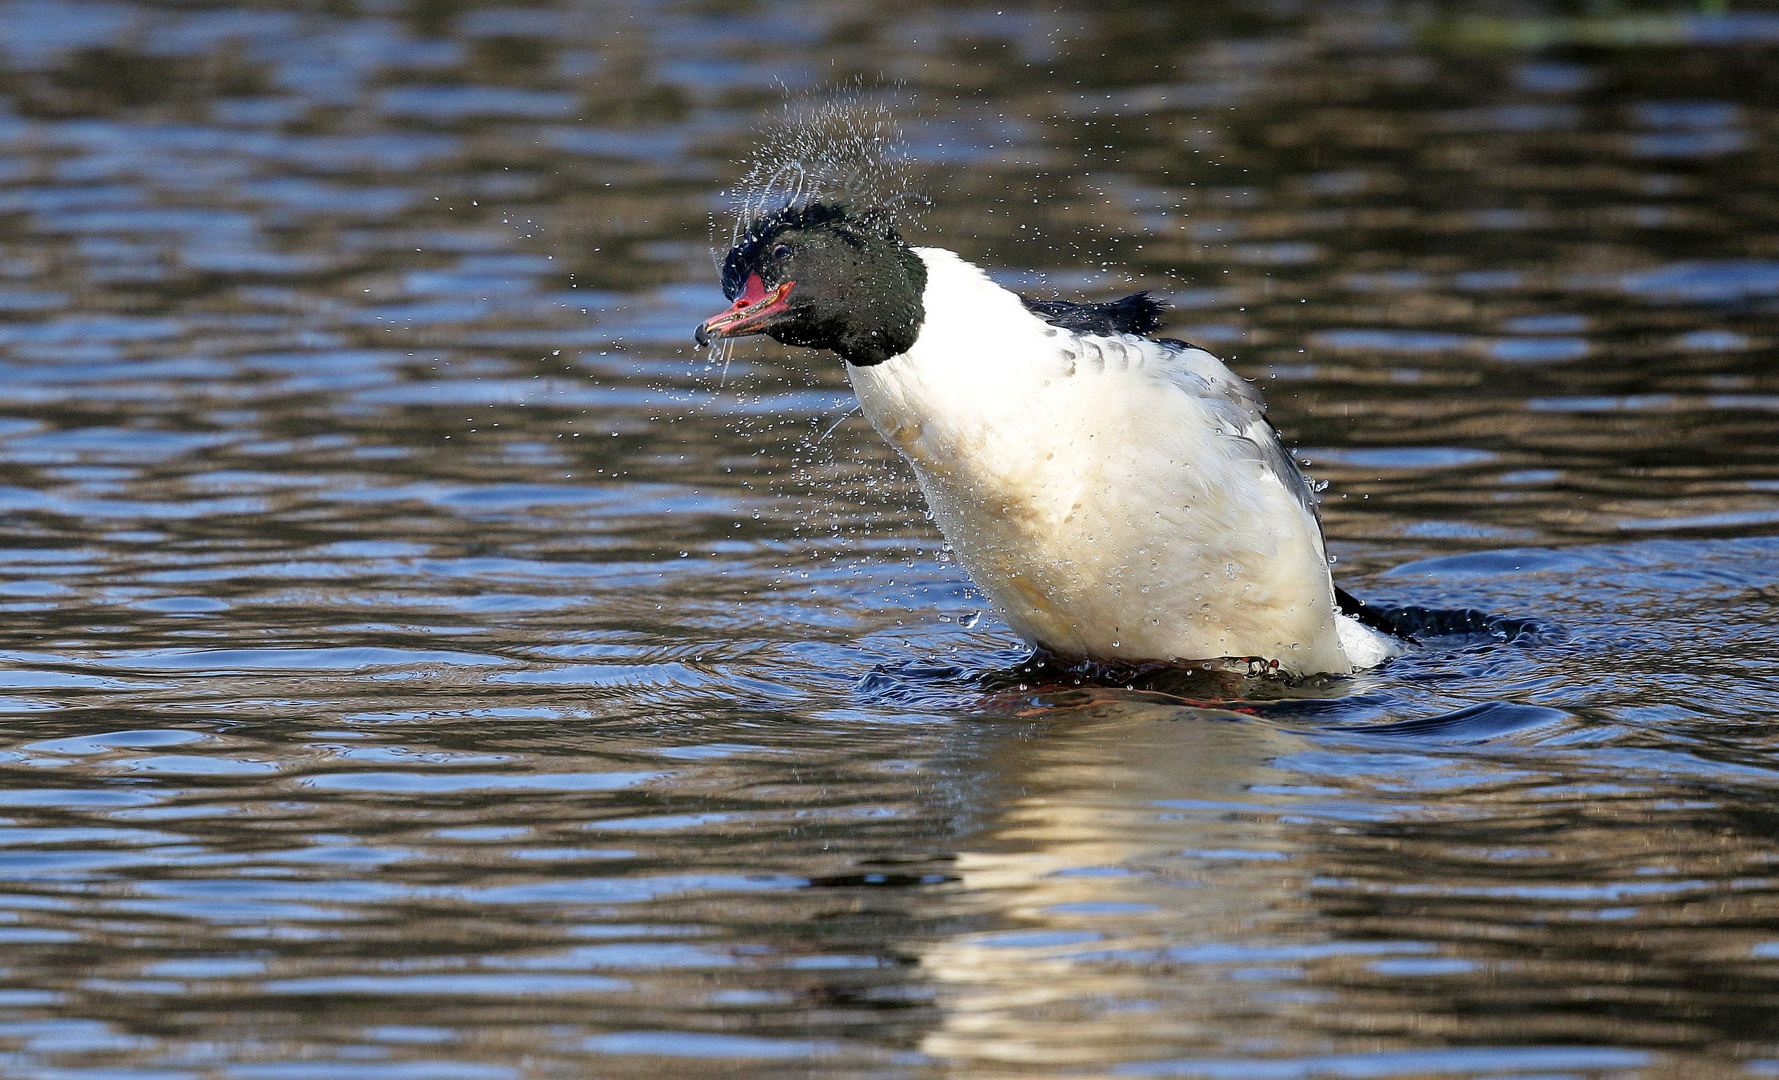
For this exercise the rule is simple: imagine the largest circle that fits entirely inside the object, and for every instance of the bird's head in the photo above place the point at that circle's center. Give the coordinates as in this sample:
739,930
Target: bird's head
823,276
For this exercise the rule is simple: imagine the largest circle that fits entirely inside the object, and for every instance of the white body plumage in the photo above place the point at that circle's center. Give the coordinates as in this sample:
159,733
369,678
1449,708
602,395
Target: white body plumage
1114,497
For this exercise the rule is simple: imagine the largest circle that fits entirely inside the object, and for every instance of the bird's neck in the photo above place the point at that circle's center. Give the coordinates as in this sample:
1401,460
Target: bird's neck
963,399
977,348
963,305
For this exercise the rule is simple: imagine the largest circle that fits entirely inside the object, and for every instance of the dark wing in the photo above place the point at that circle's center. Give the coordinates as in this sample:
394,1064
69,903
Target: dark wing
1138,313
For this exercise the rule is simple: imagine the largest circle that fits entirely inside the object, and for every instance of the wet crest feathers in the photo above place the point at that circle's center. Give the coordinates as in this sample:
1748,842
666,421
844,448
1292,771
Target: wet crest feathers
857,228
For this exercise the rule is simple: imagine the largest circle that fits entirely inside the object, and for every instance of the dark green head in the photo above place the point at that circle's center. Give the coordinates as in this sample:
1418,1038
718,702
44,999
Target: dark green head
824,277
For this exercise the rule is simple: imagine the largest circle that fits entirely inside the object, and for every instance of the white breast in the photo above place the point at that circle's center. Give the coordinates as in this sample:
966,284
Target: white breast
1114,497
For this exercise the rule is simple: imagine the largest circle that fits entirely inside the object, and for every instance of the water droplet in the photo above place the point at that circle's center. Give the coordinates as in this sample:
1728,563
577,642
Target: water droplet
969,619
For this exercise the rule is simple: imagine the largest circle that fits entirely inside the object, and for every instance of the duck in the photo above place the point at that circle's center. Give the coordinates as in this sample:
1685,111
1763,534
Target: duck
1119,498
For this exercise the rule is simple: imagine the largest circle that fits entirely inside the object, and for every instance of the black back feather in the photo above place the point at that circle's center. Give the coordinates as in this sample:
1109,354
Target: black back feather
1374,617
1138,313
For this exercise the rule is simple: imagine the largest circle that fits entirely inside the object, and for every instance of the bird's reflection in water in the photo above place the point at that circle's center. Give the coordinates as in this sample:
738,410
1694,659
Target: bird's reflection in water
1125,828
1184,890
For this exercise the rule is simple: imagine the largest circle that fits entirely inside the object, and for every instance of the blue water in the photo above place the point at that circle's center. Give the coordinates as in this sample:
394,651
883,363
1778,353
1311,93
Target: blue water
420,663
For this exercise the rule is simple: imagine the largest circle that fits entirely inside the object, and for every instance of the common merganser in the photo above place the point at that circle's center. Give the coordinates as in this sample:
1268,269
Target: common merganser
1119,498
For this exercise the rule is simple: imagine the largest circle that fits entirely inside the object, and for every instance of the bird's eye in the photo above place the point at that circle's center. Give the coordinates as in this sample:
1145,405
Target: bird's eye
781,251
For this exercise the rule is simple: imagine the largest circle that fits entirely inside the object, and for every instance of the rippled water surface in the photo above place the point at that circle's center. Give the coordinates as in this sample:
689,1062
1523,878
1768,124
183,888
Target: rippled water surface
419,663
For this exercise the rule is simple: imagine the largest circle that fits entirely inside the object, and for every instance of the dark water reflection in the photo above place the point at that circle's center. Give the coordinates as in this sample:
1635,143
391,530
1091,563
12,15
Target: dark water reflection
420,665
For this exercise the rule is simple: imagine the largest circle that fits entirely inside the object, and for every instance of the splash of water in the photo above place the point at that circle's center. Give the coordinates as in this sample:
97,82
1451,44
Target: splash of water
845,146
841,145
